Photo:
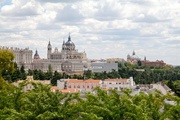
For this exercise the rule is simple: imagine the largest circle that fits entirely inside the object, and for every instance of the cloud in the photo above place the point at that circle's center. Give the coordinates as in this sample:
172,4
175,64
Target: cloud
59,1
103,28
22,9
69,14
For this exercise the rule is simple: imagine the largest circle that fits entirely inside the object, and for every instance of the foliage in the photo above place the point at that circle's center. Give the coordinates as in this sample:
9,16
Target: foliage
175,86
42,104
6,61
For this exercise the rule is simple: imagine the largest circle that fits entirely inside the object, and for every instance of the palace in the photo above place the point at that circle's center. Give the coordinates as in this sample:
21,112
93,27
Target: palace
22,56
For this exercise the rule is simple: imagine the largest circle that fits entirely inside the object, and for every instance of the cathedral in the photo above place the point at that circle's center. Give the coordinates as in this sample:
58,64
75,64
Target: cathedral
133,59
68,59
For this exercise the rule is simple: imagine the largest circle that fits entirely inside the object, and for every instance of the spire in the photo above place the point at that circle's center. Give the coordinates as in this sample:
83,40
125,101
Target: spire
69,38
133,52
36,52
49,43
145,58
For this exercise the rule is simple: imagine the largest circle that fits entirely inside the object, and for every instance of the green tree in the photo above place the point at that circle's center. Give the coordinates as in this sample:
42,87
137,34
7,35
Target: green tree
88,74
6,61
56,77
49,73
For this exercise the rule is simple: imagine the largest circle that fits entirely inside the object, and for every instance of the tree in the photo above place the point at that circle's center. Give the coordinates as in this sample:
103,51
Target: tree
56,77
88,74
6,61
49,73
139,63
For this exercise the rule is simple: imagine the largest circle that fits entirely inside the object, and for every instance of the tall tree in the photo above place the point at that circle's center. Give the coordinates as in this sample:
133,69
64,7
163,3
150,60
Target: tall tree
88,74
6,61
49,73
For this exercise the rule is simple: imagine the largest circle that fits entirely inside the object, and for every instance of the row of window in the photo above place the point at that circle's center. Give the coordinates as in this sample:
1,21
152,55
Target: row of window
120,83
79,86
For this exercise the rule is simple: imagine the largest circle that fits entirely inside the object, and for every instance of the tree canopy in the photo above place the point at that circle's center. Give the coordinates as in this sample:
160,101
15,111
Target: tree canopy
6,61
42,104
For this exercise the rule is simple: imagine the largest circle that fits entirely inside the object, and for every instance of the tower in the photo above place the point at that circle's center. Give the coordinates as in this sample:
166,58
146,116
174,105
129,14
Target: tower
63,46
128,58
49,50
145,58
133,52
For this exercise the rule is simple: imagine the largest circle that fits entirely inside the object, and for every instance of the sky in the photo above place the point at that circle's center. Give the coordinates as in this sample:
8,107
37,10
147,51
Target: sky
101,28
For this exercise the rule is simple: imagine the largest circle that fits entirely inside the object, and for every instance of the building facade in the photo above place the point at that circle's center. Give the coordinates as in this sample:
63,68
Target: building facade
103,66
90,84
157,63
83,85
118,84
22,56
67,60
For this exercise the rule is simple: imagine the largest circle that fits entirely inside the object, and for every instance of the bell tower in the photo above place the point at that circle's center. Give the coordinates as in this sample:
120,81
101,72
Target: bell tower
49,50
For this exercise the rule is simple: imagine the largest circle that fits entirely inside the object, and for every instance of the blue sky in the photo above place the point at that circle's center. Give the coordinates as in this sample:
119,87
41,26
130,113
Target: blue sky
5,2
103,28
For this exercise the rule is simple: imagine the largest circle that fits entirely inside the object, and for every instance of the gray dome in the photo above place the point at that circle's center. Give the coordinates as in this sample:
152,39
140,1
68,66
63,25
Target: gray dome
69,42
36,55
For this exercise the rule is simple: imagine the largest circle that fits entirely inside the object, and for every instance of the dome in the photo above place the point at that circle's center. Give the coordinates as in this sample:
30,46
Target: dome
36,55
69,42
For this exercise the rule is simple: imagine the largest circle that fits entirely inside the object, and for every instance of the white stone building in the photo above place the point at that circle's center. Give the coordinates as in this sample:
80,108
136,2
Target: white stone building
22,56
89,85
83,85
118,84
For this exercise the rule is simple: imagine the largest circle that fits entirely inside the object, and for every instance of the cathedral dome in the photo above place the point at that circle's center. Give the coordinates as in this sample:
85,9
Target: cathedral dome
134,56
69,42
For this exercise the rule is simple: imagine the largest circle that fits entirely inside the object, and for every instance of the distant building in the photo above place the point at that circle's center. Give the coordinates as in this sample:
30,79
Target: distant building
68,60
75,85
162,87
133,59
118,84
103,66
157,63
22,56
29,85
115,60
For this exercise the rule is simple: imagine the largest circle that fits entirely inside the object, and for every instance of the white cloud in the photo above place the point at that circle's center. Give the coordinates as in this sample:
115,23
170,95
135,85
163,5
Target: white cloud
103,28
